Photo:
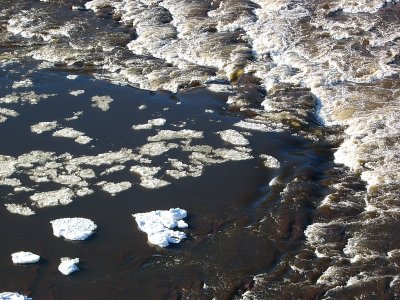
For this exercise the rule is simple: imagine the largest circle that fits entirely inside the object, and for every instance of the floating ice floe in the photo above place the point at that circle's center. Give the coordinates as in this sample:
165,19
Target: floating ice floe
146,177
13,296
72,77
164,135
150,124
44,199
156,148
72,134
115,188
41,127
22,83
233,137
159,224
68,265
19,209
76,92
24,258
102,102
74,229
270,161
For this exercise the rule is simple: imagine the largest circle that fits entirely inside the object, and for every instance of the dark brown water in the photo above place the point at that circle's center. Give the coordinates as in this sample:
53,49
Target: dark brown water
314,84
227,244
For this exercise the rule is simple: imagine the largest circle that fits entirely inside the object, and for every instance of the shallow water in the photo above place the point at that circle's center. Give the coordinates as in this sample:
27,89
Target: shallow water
314,84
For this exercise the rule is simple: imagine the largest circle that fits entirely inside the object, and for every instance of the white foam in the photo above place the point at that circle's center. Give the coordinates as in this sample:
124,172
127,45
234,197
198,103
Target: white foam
74,229
68,265
159,224
23,257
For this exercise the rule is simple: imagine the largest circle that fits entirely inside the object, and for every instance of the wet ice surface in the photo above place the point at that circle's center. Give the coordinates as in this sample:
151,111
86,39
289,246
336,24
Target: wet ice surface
23,257
210,167
159,224
68,265
74,229
13,296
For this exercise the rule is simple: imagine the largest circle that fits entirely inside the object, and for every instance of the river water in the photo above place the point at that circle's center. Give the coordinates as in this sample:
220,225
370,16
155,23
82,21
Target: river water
273,123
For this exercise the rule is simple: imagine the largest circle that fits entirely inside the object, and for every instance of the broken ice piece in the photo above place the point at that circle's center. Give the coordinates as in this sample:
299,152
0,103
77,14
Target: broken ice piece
68,265
270,161
23,257
74,229
13,296
159,224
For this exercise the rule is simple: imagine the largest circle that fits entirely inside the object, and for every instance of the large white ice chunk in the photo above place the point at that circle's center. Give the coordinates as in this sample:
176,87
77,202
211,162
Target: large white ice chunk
158,225
74,229
234,137
63,196
68,265
13,296
24,258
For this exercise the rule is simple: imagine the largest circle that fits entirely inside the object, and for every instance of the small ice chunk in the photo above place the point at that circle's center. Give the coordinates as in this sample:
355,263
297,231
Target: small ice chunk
150,124
233,137
164,135
53,198
209,111
68,265
75,116
22,83
153,183
41,127
141,107
102,102
74,229
270,161
159,224
19,209
114,188
24,258
13,296
76,92
72,77
68,133
156,148
83,139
